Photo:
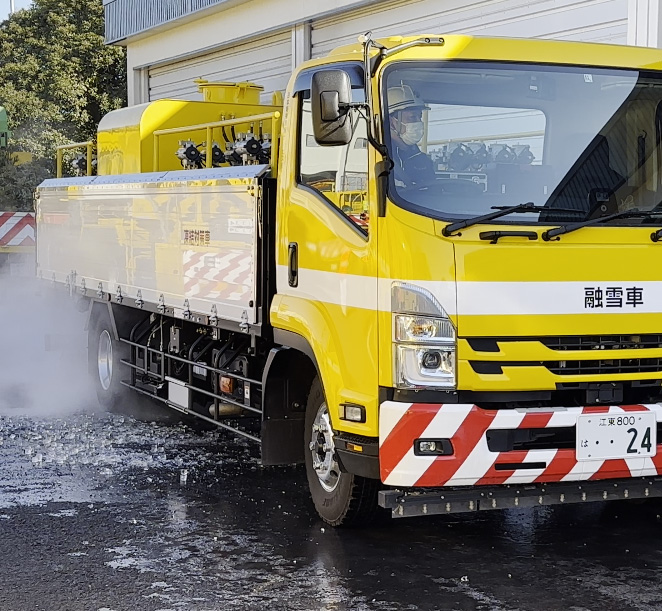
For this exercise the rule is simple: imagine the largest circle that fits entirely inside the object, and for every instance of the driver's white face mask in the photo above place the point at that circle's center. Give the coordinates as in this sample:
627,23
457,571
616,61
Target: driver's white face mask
413,133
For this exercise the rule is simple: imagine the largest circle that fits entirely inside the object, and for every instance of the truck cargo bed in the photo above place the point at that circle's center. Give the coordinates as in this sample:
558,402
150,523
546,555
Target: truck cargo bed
184,243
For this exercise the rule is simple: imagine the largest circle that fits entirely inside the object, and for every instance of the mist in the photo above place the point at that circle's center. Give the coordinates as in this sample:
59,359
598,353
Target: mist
43,347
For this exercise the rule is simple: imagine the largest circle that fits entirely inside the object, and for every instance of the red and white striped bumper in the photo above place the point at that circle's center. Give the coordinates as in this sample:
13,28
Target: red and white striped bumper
16,229
472,463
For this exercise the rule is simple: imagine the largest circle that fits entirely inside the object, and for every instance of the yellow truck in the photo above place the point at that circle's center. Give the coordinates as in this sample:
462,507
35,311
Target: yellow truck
431,271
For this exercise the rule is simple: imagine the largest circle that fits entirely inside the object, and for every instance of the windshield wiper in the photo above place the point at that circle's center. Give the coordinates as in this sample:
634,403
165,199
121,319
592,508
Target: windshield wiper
557,231
448,230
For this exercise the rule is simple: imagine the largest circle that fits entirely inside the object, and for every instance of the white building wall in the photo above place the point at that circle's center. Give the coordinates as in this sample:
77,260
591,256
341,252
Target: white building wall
645,23
263,41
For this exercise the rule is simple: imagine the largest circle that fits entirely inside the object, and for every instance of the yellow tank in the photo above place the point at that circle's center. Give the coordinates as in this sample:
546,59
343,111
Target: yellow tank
230,93
125,140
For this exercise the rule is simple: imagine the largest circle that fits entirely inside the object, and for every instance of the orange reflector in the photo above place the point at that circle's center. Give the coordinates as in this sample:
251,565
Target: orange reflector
227,385
354,448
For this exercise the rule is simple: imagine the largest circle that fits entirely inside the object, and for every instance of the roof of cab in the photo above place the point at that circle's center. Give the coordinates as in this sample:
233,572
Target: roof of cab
457,46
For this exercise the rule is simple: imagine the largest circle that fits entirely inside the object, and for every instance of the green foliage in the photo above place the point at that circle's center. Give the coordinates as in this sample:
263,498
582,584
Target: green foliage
57,79
17,183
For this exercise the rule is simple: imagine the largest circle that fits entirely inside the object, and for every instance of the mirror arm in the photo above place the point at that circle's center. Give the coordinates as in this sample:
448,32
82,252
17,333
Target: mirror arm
376,61
380,148
368,43
385,166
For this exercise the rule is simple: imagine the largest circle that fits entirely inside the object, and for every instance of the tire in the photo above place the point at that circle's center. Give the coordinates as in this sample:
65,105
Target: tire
105,354
340,498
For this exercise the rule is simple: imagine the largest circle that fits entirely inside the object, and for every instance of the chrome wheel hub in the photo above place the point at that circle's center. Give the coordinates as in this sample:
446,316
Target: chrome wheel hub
323,450
105,360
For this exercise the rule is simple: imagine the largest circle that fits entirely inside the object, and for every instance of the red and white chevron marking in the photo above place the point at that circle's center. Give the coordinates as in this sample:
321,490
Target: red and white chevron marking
224,276
361,220
16,229
472,463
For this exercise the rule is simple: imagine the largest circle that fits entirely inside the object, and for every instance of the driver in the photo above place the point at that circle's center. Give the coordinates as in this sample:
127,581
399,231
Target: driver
413,168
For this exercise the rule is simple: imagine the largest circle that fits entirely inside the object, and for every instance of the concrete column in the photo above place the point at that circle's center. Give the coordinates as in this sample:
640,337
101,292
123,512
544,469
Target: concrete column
301,44
645,23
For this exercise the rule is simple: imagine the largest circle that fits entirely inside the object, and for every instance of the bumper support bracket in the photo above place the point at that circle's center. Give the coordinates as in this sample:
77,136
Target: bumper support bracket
410,503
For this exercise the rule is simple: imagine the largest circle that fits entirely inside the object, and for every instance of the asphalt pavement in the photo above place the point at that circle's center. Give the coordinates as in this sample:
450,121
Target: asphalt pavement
100,512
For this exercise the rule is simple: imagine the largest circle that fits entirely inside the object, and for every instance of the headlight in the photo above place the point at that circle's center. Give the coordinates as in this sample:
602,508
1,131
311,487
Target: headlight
423,329
426,366
424,339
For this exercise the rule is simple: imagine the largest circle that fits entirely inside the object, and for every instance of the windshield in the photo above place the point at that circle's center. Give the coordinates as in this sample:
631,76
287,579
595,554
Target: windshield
467,136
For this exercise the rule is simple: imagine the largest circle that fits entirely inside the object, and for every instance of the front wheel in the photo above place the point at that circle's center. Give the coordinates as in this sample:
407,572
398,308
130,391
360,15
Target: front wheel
340,498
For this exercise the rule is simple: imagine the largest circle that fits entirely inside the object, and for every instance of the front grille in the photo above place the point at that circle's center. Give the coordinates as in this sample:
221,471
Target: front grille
573,342
602,342
507,440
575,368
582,343
552,438
607,366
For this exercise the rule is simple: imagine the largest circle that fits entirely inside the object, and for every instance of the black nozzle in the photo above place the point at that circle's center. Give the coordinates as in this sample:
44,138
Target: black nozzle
253,147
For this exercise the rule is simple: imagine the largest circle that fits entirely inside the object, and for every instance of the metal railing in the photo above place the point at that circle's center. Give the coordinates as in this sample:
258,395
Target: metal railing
274,117
75,145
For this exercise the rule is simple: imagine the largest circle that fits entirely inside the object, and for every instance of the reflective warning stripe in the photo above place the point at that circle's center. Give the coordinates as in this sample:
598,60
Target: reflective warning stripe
16,229
472,462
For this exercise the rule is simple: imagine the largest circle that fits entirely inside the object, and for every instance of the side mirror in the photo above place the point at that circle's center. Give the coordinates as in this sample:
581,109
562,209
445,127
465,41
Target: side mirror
331,91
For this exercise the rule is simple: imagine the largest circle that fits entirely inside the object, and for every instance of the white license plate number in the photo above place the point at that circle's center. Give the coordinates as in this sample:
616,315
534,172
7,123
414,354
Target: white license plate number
625,435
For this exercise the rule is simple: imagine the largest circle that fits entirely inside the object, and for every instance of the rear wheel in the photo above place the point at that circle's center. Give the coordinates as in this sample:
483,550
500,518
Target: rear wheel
105,354
340,498
105,360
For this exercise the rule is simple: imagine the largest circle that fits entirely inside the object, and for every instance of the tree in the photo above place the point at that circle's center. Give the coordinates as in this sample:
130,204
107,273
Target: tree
57,79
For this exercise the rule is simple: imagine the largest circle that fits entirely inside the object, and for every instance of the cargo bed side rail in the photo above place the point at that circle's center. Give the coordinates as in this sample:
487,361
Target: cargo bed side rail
59,154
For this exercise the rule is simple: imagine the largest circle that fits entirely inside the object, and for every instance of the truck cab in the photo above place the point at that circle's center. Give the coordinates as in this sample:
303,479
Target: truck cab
503,284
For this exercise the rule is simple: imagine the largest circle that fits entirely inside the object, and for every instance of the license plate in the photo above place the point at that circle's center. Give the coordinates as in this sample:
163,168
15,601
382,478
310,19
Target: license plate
625,435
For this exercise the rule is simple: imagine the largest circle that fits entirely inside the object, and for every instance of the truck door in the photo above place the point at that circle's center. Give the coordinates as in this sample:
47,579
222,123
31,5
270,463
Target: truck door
327,264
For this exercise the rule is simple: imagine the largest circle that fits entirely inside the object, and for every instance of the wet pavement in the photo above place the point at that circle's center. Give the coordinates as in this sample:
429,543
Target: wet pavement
100,512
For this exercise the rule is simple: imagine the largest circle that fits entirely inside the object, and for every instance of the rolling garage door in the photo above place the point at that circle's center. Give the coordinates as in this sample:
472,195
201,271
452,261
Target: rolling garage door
266,61
586,20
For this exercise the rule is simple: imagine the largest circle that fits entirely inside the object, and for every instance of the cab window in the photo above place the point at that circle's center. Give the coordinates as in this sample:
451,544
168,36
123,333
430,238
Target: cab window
338,173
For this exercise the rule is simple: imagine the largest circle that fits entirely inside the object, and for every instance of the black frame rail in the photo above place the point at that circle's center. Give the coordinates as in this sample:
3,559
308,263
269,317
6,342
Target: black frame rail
410,503
165,360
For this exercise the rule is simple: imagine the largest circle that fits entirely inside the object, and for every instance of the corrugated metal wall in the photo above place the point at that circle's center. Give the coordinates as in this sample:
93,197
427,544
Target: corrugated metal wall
267,63
127,17
267,60
586,20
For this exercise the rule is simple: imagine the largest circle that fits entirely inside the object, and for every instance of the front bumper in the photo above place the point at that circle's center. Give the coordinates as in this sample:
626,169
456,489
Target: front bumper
464,500
474,464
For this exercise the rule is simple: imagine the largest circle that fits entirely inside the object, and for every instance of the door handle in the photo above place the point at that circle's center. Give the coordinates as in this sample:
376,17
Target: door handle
293,264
